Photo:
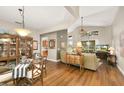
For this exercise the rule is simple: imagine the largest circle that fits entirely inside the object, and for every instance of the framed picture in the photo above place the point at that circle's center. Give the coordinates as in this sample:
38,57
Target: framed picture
62,44
45,43
52,43
35,45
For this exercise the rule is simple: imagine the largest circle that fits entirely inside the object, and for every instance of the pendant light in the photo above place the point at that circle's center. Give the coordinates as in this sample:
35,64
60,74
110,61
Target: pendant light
82,31
88,33
22,31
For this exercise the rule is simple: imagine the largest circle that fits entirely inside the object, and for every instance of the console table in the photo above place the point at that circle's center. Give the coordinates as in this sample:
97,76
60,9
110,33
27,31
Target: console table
75,59
111,59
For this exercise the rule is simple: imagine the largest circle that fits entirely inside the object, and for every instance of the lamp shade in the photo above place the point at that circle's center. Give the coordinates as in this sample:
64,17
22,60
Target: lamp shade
111,49
22,32
79,44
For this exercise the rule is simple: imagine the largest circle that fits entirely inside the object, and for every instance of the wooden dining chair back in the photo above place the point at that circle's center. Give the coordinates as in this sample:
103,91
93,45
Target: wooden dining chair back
44,60
37,70
34,73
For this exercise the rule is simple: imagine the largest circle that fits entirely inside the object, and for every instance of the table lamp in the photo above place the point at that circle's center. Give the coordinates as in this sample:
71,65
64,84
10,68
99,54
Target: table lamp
79,48
111,50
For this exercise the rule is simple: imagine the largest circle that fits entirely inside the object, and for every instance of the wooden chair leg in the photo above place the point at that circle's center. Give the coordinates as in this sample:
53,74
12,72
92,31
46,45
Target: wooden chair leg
45,71
14,82
42,78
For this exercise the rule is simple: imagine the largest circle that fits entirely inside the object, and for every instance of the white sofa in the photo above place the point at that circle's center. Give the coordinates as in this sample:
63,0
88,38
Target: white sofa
91,61
5,77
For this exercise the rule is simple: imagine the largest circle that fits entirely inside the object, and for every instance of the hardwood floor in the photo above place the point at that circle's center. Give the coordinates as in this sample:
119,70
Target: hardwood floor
58,74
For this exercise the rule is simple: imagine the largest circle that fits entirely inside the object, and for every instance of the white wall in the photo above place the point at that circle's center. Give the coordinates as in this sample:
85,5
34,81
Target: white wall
104,37
118,28
36,36
52,53
7,27
56,28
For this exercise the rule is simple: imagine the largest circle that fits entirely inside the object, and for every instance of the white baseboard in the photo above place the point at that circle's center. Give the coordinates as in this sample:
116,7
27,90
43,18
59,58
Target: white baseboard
120,69
54,60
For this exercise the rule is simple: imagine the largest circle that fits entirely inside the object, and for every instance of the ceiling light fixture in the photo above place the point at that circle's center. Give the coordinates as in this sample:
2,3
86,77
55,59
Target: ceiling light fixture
88,33
82,31
22,31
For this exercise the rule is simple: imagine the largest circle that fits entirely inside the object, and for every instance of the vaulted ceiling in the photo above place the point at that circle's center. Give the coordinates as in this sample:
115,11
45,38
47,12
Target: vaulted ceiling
43,17
95,16
36,17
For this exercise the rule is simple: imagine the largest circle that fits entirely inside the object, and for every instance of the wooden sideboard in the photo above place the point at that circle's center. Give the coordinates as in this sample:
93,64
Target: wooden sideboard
75,59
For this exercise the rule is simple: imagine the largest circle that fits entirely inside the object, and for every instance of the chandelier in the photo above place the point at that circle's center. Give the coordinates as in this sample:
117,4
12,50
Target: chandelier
82,31
87,33
22,31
